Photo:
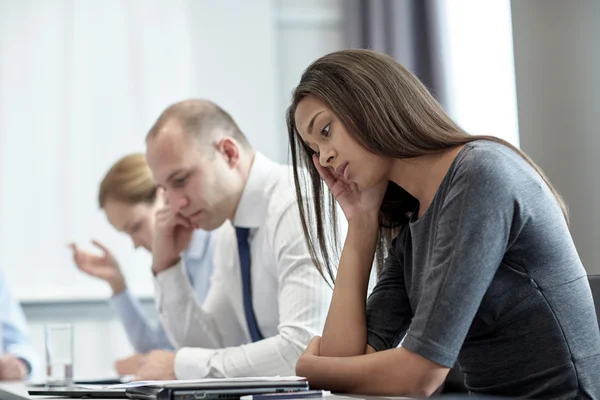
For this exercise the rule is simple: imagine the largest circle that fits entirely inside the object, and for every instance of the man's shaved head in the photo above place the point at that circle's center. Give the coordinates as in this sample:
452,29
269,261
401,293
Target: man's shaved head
201,119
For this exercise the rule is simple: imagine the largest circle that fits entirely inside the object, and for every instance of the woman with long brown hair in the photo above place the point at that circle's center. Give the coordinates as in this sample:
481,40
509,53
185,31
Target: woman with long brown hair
480,266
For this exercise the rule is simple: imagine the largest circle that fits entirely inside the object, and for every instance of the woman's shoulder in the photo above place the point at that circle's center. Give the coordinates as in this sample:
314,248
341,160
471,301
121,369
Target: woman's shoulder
486,162
490,175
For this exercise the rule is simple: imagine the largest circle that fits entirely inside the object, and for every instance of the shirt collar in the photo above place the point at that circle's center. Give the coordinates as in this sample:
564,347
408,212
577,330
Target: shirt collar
254,202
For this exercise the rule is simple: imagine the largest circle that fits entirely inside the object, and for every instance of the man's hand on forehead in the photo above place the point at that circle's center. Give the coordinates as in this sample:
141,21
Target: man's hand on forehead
173,233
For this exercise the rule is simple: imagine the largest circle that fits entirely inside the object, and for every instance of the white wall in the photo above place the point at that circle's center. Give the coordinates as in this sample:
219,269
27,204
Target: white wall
557,59
476,45
306,30
302,31
81,83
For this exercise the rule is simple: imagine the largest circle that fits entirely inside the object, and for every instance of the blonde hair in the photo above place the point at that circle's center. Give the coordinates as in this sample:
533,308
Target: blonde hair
129,181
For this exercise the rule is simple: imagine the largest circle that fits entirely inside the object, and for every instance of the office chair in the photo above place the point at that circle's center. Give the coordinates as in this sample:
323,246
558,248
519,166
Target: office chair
595,286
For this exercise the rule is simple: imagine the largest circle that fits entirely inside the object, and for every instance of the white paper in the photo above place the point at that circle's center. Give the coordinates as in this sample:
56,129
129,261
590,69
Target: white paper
196,381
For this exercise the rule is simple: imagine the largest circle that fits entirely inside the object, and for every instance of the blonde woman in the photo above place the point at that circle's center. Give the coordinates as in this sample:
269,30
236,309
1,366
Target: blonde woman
128,196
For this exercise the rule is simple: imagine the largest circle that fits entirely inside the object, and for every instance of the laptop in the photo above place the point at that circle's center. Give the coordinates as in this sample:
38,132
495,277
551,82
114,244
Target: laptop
225,389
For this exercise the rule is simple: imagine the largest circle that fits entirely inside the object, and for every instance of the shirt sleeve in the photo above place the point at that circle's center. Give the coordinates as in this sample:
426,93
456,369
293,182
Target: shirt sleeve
471,237
143,335
303,303
15,332
188,323
388,308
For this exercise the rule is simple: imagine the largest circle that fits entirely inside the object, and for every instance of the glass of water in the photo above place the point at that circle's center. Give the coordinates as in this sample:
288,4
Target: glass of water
59,354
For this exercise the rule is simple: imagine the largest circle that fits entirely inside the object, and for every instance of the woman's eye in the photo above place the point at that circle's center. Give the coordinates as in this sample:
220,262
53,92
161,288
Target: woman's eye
325,131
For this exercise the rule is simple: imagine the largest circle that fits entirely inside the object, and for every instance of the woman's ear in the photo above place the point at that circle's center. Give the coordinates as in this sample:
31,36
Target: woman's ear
229,149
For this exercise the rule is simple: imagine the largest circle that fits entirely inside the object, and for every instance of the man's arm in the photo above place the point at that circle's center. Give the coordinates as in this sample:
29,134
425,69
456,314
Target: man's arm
187,322
184,319
303,300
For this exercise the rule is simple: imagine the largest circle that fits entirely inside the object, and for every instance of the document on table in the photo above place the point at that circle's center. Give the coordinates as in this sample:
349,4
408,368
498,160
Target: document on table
197,381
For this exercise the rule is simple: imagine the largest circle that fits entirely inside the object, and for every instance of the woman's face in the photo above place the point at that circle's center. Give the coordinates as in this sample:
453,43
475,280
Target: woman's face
324,133
136,220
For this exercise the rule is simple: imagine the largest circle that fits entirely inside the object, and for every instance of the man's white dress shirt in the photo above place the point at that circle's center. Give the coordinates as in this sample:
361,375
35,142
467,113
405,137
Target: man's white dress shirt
290,298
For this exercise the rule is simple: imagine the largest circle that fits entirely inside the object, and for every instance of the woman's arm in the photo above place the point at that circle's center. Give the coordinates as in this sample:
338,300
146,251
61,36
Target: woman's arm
345,331
395,372
143,335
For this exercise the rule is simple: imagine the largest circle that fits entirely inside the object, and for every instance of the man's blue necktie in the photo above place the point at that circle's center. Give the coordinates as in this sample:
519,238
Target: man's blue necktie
244,251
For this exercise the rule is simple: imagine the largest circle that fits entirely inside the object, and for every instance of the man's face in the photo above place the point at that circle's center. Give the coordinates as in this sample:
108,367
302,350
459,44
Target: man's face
195,179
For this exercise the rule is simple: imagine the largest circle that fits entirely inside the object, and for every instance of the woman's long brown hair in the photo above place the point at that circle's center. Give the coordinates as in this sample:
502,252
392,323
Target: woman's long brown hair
388,111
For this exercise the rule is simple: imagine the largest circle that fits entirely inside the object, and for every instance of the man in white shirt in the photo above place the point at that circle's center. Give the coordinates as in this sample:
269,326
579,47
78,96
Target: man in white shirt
267,299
